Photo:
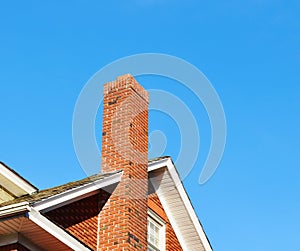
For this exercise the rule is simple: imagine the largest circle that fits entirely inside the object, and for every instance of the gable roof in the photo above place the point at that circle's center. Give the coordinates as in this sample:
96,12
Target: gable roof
67,192
166,183
163,178
21,219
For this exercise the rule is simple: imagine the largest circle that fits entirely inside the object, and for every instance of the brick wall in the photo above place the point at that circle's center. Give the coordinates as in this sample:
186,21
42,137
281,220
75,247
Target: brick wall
123,220
81,218
172,243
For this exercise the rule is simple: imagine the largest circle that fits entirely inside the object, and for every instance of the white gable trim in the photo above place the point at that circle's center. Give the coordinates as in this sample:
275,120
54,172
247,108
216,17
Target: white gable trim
167,162
76,194
41,221
56,231
23,186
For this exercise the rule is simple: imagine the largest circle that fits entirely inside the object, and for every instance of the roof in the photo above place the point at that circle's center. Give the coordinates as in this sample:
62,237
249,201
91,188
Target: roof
22,219
163,178
44,194
36,232
169,188
13,185
158,158
14,172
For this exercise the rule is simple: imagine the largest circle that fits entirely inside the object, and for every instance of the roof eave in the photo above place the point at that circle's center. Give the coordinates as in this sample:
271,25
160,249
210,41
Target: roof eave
76,193
56,231
24,210
14,209
23,185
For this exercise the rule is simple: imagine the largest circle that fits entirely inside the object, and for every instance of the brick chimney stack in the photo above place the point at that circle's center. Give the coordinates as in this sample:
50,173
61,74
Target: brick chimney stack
123,220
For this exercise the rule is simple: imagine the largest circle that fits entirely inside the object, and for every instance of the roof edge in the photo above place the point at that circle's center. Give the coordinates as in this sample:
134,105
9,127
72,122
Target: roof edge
76,193
17,179
167,162
56,231
14,209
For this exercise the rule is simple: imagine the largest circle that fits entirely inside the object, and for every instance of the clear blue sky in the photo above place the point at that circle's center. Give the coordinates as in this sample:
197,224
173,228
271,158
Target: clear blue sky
249,50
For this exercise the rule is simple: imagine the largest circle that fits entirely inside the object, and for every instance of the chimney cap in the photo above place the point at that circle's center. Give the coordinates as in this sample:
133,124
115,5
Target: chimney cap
124,82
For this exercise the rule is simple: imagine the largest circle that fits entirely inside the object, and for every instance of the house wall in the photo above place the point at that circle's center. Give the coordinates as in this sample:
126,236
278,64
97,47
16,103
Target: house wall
172,243
81,218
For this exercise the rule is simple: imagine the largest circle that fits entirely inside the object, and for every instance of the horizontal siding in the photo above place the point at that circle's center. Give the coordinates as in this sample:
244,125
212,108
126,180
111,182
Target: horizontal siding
179,216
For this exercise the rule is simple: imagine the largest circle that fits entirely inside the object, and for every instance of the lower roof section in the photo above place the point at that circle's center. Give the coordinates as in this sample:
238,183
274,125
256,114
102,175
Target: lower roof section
36,233
22,220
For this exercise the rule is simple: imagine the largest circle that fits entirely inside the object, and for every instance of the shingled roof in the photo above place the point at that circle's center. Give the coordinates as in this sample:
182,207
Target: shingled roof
46,193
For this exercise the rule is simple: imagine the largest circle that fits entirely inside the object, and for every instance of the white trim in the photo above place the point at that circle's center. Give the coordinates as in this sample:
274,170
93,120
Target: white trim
17,180
167,162
14,209
44,223
162,224
76,194
56,231
33,214
155,216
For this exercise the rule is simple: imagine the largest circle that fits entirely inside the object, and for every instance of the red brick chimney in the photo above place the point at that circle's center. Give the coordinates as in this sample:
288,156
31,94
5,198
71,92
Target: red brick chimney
123,221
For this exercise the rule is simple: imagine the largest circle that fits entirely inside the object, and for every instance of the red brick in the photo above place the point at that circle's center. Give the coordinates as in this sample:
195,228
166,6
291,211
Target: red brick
125,147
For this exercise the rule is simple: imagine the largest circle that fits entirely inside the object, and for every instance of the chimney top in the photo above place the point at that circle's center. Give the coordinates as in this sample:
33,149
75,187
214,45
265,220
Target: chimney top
126,81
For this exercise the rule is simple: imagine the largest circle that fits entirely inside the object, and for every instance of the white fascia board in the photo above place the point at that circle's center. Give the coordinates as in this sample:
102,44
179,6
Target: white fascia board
13,209
56,231
17,180
191,210
76,193
184,197
41,221
169,214
157,164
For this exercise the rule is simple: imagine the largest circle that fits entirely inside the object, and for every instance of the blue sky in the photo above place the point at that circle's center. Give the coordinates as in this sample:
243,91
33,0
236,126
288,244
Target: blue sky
250,52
